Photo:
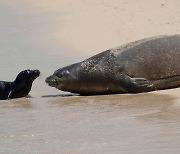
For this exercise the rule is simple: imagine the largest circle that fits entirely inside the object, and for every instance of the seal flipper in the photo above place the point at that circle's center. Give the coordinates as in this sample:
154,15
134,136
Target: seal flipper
9,95
135,85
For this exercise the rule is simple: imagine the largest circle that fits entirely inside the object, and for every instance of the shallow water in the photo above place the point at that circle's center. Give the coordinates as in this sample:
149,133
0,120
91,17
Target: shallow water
55,122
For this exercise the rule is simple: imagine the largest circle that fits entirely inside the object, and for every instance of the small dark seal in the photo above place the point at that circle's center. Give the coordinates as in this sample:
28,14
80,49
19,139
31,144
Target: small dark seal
141,66
20,87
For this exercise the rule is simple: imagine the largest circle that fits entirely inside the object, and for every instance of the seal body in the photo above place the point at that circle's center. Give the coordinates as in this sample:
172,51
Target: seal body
141,66
20,87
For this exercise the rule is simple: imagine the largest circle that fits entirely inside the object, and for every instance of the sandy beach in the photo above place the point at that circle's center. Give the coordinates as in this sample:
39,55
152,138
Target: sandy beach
47,35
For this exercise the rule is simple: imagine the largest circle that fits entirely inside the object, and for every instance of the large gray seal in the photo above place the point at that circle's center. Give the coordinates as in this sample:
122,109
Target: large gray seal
141,66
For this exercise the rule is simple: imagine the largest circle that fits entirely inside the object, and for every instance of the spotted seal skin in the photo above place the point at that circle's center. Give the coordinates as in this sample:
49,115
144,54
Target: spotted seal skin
141,66
20,87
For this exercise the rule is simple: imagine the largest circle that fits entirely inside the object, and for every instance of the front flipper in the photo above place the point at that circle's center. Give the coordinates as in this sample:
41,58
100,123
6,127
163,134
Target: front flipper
135,85
9,95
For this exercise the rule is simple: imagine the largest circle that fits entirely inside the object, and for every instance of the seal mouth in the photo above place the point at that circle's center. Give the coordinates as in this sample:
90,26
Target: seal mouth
53,81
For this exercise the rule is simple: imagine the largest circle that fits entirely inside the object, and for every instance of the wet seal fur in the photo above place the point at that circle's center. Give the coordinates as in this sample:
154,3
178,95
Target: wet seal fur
141,66
20,87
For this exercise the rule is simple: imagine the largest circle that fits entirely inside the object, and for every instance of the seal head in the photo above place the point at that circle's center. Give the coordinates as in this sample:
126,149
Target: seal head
66,78
90,77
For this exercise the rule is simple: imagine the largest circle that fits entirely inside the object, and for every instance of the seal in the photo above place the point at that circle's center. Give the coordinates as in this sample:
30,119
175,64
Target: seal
20,87
141,66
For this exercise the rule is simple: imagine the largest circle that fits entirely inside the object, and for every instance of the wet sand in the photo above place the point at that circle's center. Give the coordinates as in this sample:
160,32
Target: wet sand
48,35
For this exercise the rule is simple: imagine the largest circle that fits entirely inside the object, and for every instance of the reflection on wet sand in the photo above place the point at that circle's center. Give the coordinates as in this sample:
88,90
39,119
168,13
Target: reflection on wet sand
142,99
92,123
60,95
151,105
17,103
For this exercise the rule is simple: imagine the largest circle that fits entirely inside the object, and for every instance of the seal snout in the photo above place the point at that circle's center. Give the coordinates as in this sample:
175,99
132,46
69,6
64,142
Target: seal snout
52,80
36,72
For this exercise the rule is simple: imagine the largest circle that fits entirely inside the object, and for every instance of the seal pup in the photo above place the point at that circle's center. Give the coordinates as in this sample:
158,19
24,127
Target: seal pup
141,66
20,87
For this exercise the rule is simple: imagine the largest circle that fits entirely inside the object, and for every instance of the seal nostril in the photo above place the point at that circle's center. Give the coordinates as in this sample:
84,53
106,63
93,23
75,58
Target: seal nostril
37,71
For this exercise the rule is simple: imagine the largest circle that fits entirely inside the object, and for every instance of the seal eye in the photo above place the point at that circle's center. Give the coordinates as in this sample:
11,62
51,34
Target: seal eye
59,75
63,74
67,72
